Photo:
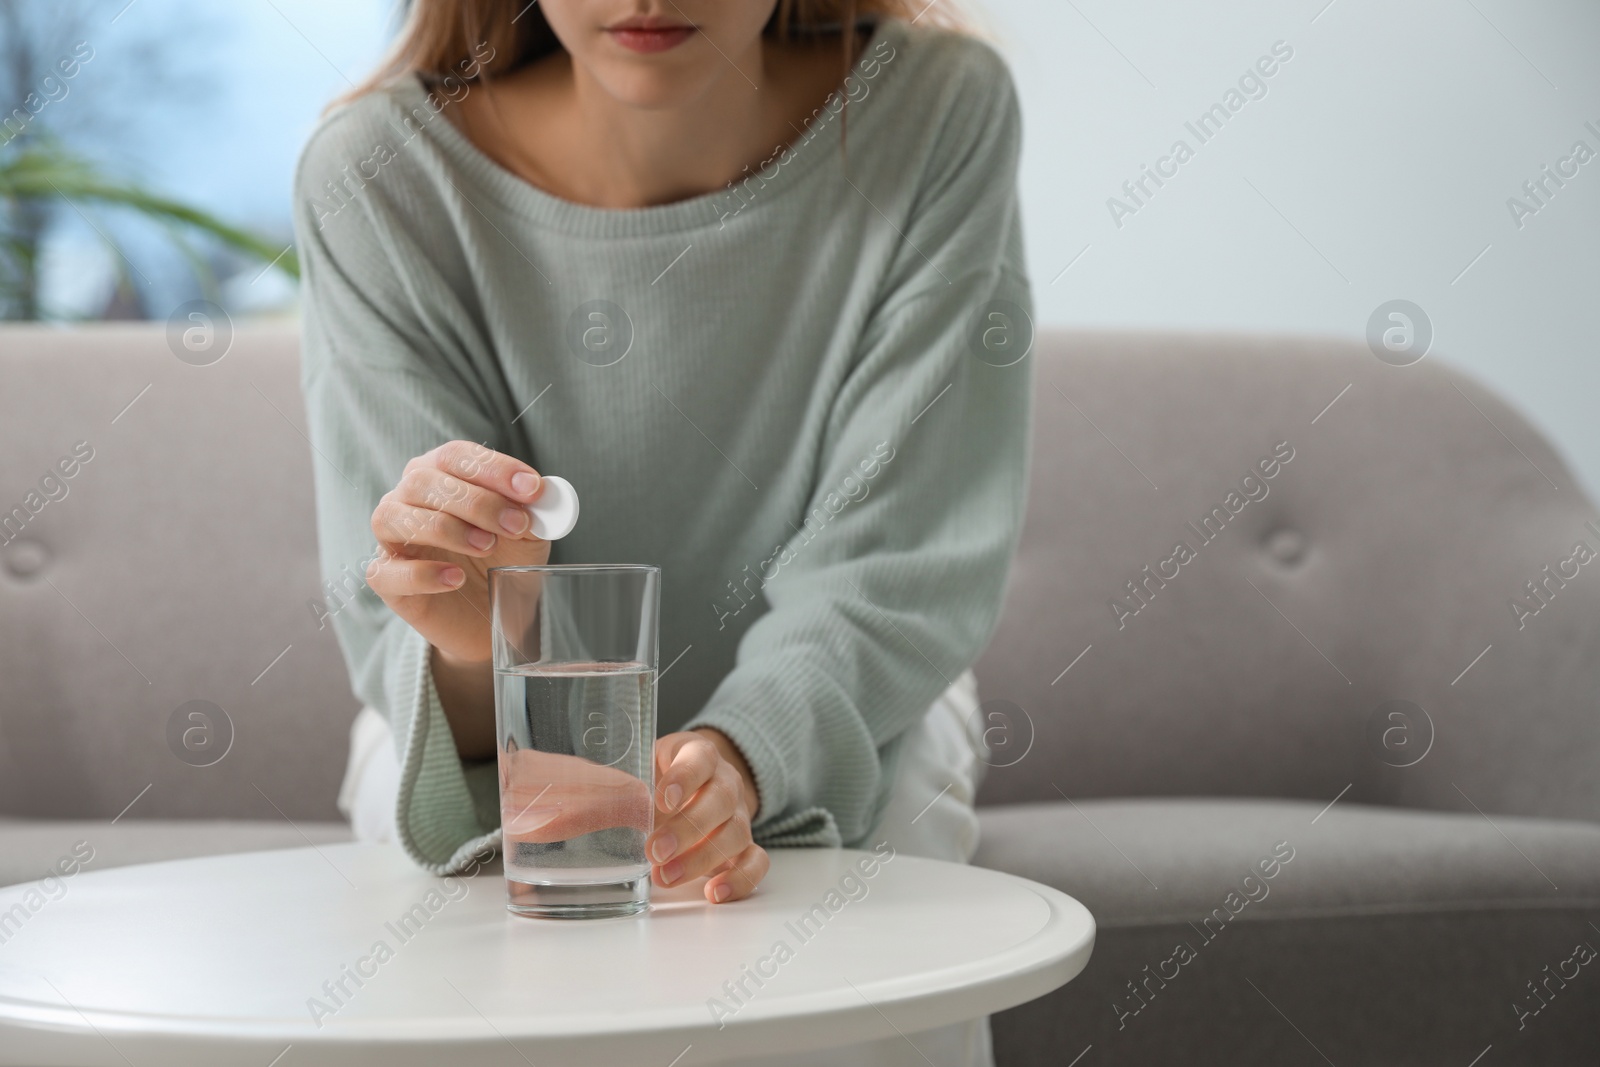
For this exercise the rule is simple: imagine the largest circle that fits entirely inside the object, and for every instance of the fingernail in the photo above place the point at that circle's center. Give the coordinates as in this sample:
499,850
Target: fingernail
524,484
453,576
672,872
665,846
527,820
515,520
479,539
672,795
722,892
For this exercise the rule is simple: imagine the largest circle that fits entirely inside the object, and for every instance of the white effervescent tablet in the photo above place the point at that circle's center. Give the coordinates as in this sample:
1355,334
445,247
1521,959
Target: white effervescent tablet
555,511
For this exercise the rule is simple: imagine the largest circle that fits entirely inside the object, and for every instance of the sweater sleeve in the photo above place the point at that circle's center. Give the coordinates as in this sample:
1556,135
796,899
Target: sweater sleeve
892,582
387,375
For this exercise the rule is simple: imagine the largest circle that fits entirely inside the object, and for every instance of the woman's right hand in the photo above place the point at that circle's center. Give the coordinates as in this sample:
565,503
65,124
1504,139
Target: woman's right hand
459,509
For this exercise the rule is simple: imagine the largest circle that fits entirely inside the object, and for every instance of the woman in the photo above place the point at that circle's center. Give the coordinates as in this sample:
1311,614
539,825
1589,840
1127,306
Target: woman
749,282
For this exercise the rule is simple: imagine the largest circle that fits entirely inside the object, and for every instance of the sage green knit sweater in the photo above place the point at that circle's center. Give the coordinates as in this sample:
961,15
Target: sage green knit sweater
804,397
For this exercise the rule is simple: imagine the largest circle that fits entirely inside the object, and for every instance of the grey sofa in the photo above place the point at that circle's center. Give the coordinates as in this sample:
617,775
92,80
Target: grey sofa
1331,797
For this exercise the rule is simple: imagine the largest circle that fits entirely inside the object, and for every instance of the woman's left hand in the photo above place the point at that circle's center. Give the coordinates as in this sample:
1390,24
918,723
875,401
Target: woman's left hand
706,800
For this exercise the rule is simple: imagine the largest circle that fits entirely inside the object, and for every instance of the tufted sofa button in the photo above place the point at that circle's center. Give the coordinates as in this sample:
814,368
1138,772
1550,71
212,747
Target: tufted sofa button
24,559
1287,546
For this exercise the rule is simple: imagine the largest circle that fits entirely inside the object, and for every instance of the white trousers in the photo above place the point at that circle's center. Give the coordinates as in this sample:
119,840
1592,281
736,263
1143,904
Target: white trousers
930,813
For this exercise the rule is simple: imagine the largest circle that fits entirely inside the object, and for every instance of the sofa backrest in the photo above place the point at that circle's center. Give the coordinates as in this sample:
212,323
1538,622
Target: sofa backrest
1354,626
1384,557
178,567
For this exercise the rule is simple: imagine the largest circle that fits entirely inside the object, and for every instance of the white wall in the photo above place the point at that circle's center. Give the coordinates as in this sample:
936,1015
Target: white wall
1391,142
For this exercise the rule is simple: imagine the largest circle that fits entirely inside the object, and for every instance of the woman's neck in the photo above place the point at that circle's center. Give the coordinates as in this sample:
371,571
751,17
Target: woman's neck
558,129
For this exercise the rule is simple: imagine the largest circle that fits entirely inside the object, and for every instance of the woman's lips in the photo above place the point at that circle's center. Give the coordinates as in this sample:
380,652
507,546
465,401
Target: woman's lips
651,38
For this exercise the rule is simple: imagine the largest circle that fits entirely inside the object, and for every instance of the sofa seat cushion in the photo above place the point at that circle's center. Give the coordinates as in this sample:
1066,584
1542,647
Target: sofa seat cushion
32,848
1371,935
1141,861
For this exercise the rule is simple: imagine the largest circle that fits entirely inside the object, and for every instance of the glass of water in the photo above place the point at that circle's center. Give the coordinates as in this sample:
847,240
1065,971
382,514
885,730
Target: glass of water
575,721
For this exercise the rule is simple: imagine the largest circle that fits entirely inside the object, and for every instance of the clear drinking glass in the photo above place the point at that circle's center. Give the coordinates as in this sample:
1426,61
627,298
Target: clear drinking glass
575,721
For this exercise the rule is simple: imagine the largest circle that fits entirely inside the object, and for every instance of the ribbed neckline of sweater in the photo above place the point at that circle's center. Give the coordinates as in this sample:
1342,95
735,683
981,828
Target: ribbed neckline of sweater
525,200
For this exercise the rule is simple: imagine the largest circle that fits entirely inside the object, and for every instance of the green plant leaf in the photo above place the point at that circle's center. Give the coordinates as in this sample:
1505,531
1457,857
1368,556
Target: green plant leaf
42,169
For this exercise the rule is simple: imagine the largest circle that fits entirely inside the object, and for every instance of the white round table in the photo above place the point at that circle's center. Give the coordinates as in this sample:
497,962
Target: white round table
350,954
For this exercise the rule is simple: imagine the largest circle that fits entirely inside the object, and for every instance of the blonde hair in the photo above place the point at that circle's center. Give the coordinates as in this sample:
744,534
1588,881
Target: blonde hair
447,38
